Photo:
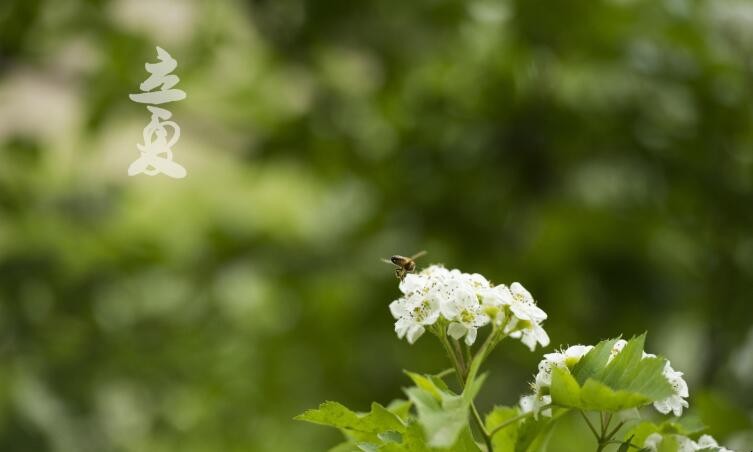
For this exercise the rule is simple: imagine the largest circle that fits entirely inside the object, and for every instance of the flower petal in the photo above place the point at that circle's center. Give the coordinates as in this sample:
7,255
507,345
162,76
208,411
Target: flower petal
414,332
470,337
456,330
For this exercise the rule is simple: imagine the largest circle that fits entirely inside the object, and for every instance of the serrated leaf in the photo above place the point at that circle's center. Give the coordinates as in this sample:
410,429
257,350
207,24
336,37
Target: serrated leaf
363,427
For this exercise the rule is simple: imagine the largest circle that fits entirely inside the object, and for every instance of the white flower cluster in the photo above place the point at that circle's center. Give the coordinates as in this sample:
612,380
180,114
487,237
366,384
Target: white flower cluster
466,302
685,444
568,358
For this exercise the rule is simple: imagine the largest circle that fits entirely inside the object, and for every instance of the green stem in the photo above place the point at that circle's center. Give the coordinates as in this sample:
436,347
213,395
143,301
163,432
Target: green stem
608,417
613,432
491,340
463,378
459,356
602,439
480,422
458,371
590,425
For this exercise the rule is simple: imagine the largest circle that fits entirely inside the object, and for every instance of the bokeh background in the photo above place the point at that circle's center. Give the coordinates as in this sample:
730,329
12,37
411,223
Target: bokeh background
598,151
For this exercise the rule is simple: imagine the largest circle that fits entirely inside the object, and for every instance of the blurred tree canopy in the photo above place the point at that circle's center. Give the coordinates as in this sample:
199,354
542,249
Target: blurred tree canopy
600,152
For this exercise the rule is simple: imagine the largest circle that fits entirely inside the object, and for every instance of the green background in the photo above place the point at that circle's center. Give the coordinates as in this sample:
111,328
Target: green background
600,152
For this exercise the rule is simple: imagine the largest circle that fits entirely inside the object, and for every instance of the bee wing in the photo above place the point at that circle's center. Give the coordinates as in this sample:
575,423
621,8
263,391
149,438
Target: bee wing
387,261
419,254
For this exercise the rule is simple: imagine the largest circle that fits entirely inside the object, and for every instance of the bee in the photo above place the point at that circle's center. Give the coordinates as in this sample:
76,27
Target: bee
404,265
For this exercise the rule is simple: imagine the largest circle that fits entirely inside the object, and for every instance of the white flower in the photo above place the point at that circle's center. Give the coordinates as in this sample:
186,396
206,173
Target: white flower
413,314
676,402
534,403
527,318
652,441
515,308
494,300
464,311
684,444
532,335
706,441
523,305
418,308
476,281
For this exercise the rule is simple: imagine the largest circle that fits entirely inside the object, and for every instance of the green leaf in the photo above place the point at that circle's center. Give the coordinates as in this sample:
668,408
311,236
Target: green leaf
564,389
504,440
596,396
359,426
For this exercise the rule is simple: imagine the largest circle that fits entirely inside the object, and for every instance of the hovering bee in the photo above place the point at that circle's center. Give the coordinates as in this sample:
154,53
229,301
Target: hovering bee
404,265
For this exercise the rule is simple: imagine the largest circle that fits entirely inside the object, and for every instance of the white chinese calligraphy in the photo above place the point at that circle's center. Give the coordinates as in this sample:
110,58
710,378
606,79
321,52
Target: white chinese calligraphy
156,153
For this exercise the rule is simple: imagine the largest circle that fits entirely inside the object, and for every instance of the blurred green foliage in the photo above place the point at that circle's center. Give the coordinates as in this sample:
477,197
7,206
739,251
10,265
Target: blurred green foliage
600,152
